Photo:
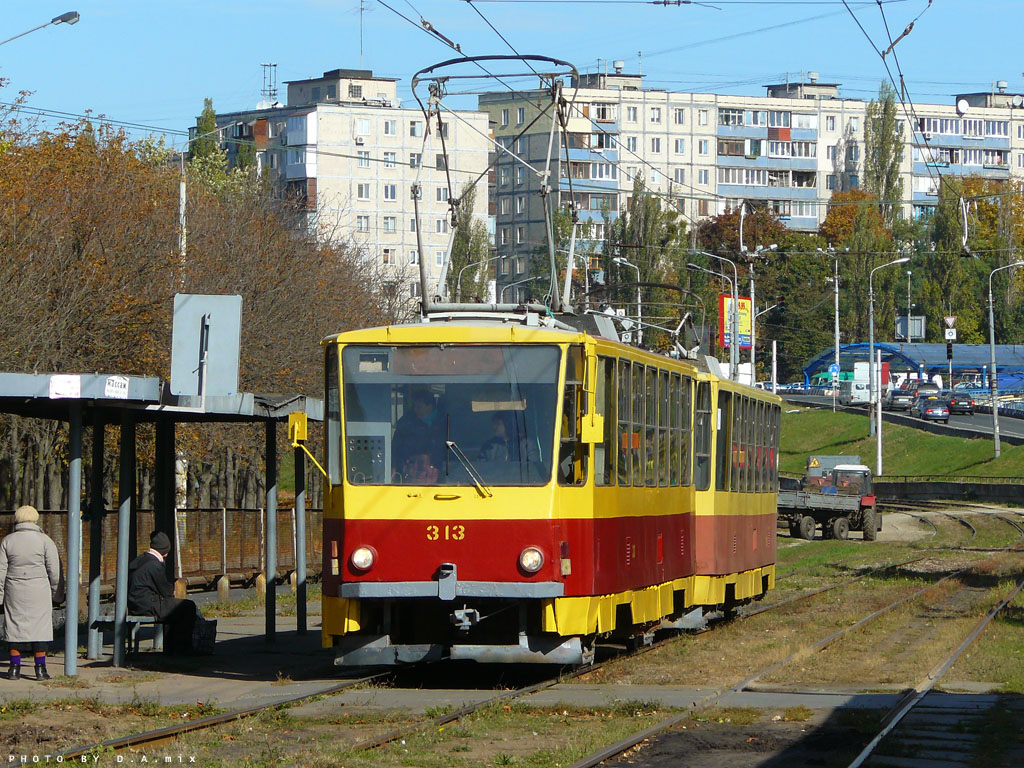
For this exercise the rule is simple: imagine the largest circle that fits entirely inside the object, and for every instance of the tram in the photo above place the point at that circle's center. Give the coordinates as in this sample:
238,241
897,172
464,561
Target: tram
511,489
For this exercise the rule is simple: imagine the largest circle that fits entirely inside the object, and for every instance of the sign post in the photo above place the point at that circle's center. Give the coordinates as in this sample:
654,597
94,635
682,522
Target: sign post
950,338
834,373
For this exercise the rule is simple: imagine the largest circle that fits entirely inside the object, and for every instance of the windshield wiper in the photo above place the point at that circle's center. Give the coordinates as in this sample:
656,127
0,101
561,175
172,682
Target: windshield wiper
474,475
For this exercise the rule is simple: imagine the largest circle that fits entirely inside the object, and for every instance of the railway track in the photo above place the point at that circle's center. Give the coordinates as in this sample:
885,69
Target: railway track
163,735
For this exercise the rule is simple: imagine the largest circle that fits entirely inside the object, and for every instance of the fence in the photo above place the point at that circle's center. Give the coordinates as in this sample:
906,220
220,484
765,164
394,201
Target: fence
211,542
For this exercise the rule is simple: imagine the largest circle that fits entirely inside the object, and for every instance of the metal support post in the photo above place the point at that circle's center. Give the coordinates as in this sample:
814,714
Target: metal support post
96,513
125,511
271,528
164,506
300,541
878,413
775,367
74,539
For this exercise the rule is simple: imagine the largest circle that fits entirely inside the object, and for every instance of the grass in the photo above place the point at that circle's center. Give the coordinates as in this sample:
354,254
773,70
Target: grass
905,450
998,655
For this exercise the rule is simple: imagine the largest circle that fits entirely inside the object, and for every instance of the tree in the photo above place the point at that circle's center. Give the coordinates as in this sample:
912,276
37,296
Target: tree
844,210
883,153
470,246
205,143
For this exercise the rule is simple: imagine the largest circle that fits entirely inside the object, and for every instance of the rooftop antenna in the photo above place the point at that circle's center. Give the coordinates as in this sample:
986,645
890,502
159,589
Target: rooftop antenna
269,92
362,9
640,62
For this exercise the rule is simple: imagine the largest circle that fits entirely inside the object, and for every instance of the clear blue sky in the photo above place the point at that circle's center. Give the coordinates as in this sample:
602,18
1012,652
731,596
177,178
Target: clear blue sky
153,63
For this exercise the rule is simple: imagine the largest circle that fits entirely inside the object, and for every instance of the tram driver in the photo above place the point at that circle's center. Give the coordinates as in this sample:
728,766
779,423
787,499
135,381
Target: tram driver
418,445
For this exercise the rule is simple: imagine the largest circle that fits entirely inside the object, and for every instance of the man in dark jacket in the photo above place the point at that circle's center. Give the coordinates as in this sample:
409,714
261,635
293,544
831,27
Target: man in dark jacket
150,593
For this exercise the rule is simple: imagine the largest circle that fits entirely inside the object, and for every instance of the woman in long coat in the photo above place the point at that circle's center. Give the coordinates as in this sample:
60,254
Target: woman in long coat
29,581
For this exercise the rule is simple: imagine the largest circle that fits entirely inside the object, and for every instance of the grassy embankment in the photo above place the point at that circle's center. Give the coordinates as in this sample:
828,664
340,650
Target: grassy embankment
905,450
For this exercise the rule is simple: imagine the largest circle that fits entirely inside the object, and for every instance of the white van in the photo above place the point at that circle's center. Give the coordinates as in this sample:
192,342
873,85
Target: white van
854,392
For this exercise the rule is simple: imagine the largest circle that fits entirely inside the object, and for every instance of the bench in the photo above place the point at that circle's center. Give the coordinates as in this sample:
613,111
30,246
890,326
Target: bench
133,622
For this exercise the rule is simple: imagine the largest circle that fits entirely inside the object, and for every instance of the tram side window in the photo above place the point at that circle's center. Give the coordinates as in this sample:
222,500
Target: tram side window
685,435
756,463
762,449
723,443
753,467
736,443
572,453
663,426
625,447
773,452
333,397
702,437
651,432
747,456
604,452
637,436
675,440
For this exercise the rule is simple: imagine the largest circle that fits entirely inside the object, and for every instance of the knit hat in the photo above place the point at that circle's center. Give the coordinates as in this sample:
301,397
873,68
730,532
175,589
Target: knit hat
158,540
26,514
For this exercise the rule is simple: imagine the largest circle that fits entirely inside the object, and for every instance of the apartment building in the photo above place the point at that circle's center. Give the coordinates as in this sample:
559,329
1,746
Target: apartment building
345,147
704,153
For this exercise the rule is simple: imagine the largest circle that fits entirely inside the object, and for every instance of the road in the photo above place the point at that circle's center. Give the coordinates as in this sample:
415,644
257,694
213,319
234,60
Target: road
979,422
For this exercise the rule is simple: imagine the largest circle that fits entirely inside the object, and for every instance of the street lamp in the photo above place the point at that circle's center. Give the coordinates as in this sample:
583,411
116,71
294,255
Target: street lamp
458,281
871,342
993,386
732,286
69,18
504,288
621,260
734,324
754,313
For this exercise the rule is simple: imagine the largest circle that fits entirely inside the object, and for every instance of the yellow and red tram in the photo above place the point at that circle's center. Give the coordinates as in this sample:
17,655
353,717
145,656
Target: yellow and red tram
503,491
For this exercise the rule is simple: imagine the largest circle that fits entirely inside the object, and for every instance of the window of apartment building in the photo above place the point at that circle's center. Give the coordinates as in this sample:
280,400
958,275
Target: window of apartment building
852,153
355,91
602,171
296,156
362,191
803,208
655,145
415,159
520,115
830,152
805,179
442,194
755,117
503,265
603,141
414,257
854,181
390,127
390,159
1020,131
830,181
415,192
853,125
805,149
830,122
440,162
315,93
777,119
780,149
362,223
997,128
1020,159
504,118
679,175
364,159
272,159
703,207
520,266
702,117
703,147
778,178
441,226
416,128
503,236
362,126
680,146
505,206
734,147
604,113
631,143
444,129
390,191
731,117
702,177
520,235
655,177
414,289
679,116
805,122
630,114
438,258
505,174
520,145
390,223
656,115
631,172
412,224
520,203
387,255
520,174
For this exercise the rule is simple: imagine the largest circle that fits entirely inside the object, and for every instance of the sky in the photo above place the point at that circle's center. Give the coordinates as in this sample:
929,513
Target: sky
152,64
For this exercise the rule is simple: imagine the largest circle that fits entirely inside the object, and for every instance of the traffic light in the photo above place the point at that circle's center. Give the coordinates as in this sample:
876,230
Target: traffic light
949,350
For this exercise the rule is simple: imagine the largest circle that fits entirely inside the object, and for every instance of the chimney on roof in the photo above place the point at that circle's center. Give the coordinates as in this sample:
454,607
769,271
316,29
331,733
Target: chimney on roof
618,64
1001,85
813,77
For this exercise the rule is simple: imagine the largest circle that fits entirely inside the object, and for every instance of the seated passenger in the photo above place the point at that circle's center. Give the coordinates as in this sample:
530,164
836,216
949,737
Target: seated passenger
418,446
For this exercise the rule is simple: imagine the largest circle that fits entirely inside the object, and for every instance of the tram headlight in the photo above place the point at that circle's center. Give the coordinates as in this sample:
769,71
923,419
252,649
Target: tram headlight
362,558
531,559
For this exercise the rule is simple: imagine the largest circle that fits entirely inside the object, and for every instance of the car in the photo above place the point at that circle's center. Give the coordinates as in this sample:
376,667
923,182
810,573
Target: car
960,402
930,407
898,400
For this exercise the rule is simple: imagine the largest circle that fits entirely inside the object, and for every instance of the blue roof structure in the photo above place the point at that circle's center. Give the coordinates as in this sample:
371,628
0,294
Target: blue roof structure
929,359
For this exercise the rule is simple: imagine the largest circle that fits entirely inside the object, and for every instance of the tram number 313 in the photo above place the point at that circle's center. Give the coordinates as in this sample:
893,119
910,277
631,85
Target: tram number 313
448,533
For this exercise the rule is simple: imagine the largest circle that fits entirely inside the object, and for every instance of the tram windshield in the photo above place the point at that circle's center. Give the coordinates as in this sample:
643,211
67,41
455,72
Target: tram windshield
440,414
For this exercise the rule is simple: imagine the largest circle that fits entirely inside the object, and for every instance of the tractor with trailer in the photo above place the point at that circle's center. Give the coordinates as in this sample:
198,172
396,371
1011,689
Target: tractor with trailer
836,494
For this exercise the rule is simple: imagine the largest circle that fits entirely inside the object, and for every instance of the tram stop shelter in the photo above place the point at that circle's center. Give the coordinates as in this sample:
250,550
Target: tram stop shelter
970,361
113,399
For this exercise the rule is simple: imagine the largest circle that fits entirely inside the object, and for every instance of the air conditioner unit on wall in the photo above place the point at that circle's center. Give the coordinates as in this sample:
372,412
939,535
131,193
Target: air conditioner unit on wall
359,140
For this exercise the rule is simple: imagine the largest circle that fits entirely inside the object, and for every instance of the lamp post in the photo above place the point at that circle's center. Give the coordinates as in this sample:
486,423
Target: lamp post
993,386
754,313
621,260
69,18
732,286
504,288
734,333
871,340
458,281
